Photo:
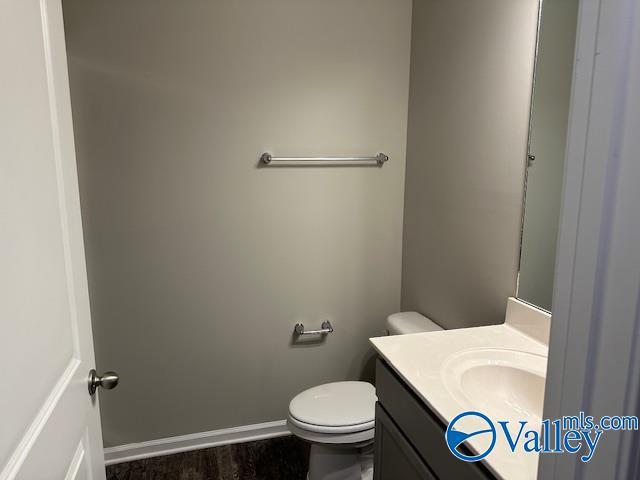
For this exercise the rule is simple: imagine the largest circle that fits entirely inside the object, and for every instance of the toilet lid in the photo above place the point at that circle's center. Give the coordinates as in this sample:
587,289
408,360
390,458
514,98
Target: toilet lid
335,404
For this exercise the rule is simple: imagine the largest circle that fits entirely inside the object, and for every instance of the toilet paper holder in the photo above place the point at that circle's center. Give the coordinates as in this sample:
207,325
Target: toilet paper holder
325,328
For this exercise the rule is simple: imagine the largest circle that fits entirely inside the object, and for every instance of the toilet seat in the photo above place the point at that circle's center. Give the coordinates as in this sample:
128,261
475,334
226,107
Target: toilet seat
353,439
310,427
338,412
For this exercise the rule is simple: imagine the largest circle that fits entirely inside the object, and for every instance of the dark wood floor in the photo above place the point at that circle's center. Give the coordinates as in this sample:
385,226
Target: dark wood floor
282,458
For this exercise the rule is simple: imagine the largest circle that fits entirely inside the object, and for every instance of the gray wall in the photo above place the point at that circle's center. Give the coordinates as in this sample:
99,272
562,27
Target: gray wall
199,262
550,118
471,74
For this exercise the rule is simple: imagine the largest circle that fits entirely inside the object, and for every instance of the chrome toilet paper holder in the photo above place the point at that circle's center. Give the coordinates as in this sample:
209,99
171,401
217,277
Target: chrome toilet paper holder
325,328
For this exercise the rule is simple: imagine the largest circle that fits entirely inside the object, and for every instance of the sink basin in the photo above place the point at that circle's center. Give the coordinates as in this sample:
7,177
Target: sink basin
504,384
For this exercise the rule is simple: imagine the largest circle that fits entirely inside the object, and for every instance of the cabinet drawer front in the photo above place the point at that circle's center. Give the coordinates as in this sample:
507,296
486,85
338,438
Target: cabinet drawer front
395,457
423,430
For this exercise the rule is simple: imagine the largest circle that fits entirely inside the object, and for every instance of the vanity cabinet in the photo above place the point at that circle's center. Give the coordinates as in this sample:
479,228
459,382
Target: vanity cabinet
394,456
409,441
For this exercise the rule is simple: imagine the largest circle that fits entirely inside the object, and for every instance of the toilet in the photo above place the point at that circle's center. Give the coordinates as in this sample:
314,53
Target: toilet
338,418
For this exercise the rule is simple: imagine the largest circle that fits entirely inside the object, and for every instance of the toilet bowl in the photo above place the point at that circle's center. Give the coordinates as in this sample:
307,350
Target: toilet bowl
338,419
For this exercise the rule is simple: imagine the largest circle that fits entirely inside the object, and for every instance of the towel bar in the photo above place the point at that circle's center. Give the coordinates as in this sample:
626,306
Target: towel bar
268,159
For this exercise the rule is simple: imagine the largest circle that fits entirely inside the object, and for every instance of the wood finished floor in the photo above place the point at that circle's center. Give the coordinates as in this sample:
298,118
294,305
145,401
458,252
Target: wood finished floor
282,458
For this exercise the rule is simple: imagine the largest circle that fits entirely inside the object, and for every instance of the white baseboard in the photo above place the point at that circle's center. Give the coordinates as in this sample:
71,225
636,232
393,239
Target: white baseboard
194,441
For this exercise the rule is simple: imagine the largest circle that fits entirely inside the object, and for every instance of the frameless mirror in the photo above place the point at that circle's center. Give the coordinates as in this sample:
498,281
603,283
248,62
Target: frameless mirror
547,139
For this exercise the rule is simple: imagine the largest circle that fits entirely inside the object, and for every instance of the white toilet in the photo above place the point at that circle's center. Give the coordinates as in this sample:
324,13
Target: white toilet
338,418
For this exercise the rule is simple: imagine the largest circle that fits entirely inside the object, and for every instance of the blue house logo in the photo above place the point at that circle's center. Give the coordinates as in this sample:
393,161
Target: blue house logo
470,424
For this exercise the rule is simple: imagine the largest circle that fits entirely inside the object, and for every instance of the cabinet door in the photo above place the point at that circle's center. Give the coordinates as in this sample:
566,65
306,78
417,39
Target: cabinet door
422,429
395,458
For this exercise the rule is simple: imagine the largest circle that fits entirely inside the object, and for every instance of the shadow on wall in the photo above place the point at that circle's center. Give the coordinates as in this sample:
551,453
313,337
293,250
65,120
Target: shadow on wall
367,366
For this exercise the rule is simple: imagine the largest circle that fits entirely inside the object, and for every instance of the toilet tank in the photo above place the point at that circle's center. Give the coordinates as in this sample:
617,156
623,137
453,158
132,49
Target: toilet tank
409,322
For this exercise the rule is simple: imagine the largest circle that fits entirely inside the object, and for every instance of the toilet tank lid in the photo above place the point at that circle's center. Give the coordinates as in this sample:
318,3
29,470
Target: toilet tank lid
403,323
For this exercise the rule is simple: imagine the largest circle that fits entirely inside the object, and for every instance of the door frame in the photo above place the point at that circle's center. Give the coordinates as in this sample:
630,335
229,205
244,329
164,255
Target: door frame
594,358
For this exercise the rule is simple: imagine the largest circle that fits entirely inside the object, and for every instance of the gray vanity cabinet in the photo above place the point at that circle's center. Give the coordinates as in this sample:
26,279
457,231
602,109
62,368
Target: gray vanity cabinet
395,457
409,443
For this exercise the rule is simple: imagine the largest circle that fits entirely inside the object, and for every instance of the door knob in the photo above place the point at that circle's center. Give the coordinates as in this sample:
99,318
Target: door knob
530,160
108,380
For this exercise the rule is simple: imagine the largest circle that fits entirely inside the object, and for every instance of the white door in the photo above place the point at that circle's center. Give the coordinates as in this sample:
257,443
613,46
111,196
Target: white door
49,425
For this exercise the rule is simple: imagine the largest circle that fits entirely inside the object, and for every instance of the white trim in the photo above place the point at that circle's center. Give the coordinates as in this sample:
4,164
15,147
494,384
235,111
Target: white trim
594,355
195,441
56,140
76,462
23,449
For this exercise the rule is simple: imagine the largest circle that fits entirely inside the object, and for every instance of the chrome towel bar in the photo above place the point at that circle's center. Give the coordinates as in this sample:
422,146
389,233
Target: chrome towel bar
326,327
268,159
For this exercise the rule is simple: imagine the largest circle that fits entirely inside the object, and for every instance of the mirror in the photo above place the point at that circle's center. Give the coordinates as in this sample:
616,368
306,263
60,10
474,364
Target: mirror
547,139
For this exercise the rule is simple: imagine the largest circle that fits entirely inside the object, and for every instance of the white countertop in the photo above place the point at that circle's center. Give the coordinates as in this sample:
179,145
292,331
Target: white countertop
419,359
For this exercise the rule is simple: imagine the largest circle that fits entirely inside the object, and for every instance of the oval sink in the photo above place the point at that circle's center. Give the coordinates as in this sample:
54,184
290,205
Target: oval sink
504,384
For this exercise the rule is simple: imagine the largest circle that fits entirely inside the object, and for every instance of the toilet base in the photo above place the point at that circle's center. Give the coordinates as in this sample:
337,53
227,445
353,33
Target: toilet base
331,462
